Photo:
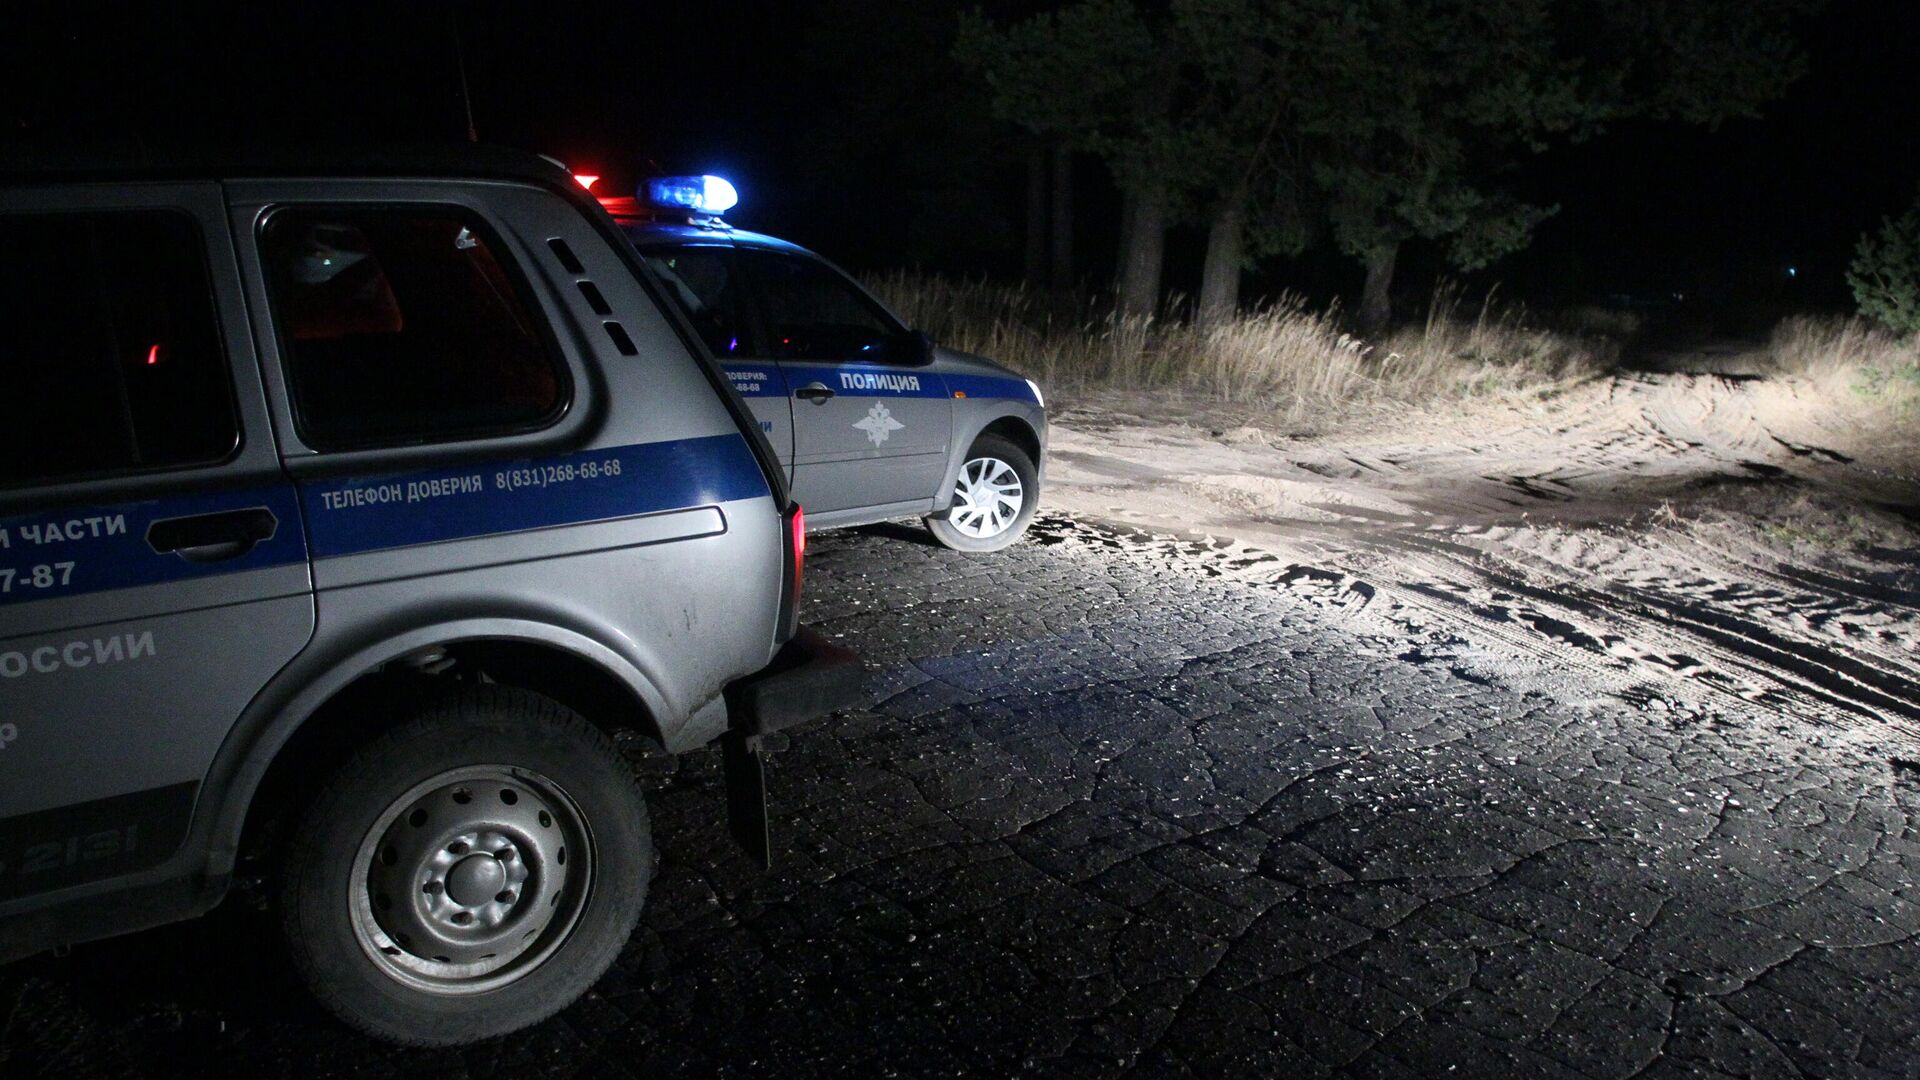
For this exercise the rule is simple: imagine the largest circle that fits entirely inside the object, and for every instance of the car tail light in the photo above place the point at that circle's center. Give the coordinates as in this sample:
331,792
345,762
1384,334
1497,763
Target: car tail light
796,544
797,534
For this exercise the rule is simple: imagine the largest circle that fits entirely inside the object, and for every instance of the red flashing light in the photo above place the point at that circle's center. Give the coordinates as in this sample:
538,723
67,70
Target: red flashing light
624,207
587,180
153,355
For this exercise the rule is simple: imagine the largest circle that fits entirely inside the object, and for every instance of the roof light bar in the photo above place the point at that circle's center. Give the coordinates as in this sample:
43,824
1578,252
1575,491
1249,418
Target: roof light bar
700,194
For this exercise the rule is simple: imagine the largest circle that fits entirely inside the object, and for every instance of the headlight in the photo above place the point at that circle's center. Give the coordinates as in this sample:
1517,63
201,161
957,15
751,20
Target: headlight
1037,396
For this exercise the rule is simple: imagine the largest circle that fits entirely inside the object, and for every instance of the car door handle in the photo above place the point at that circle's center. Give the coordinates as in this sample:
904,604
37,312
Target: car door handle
815,392
227,534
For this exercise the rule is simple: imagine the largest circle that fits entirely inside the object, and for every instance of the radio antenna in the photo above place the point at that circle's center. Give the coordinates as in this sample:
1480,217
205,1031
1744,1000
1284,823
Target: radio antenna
460,59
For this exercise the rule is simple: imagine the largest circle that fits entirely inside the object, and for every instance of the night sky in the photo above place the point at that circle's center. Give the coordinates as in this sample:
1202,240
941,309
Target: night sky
847,127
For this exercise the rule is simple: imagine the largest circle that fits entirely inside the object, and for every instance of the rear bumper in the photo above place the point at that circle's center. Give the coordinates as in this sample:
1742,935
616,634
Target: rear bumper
809,677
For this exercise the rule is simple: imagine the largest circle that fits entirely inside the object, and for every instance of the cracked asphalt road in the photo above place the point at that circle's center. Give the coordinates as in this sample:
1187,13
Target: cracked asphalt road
1115,810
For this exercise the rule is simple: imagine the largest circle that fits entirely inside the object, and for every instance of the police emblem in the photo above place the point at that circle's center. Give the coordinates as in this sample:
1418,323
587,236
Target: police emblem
878,423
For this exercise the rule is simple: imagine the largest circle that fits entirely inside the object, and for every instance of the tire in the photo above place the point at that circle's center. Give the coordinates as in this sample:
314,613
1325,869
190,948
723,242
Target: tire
961,527
468,873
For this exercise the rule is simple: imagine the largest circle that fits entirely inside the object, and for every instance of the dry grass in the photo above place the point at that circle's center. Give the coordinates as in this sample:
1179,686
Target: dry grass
1847,358
1283,355
1287,358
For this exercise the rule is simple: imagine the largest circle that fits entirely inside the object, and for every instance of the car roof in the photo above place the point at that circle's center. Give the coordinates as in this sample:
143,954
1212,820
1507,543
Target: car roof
648,230
50,165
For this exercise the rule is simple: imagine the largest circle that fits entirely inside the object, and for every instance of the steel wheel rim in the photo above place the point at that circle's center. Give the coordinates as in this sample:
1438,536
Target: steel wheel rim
471,880
987,498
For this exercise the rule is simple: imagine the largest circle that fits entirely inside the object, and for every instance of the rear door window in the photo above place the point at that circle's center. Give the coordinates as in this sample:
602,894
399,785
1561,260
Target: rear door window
406,325
707,287
110,354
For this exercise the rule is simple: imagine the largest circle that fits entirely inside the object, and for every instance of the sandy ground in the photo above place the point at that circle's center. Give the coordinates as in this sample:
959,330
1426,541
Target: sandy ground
1685,537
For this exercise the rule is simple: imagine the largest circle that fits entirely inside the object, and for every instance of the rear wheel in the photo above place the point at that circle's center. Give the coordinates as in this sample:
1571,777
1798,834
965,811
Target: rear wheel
994,498
469,873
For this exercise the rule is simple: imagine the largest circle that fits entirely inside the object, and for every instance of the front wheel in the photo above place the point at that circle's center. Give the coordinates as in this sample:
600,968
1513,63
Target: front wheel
468,873
994,498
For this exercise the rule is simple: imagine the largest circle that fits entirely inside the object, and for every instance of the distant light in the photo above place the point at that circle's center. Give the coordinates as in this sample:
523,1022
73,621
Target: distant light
587,180
701,194
1793,271
153,355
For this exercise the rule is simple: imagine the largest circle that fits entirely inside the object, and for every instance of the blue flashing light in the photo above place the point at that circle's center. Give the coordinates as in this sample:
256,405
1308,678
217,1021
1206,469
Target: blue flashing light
700,194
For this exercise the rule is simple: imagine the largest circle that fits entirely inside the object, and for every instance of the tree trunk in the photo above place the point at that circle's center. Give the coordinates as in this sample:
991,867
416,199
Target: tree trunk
1062,245
1220,275
1376,299
1037,215
1145,240
1129,210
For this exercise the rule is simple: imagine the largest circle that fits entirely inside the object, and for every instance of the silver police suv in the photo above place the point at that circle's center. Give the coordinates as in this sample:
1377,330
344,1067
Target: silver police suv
347,513
872,419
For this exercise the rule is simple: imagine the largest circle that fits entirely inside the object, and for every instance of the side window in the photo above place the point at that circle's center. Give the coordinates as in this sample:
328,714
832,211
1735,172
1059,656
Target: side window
814,313
404,326
703,282
110,352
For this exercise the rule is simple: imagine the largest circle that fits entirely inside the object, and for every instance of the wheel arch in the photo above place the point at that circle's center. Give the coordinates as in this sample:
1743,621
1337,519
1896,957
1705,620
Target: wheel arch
1022,425
315,715
1016,431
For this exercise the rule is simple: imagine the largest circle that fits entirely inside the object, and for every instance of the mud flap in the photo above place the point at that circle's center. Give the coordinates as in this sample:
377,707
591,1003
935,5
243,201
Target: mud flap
809,677
747,796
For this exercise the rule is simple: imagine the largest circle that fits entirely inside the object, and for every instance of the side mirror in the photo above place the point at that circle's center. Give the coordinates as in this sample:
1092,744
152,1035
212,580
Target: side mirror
914,348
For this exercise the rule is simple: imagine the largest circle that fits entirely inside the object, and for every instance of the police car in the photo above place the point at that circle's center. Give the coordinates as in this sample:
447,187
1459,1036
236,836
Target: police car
347,513
873,420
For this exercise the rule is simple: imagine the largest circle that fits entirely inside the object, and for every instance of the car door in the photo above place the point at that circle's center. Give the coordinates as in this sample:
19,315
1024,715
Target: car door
707,284
153,565
869,434
494,430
